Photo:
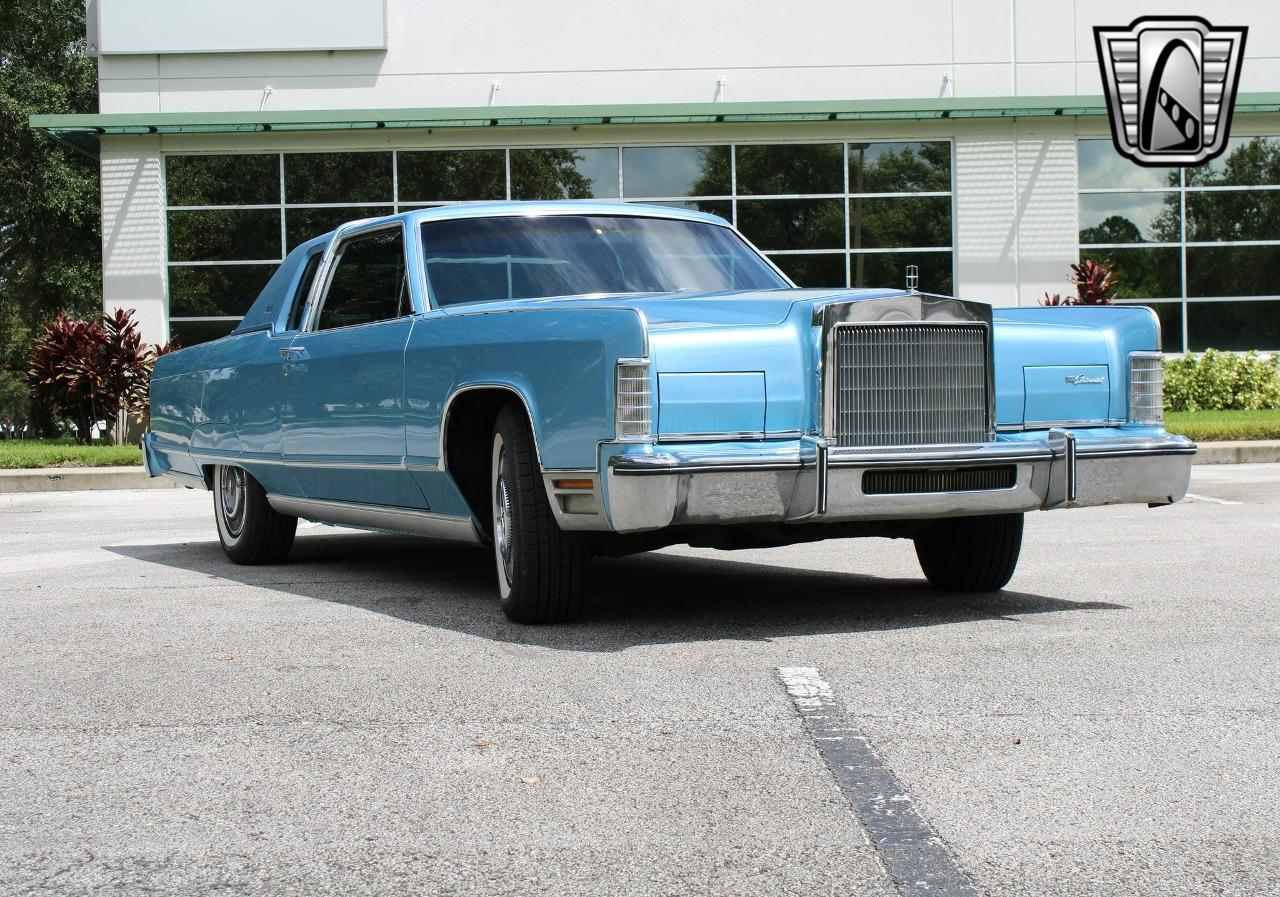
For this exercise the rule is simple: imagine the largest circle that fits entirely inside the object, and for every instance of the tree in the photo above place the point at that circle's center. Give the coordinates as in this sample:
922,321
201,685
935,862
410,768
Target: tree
49,214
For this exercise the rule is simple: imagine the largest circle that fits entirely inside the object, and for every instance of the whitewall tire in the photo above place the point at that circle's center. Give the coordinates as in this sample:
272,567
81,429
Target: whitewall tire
250,530
541,570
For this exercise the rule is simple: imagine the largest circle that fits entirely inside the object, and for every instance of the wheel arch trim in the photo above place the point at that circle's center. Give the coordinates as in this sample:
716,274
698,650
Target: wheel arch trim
495,385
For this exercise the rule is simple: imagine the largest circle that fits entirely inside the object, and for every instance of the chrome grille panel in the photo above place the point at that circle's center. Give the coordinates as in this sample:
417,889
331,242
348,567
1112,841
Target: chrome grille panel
910,384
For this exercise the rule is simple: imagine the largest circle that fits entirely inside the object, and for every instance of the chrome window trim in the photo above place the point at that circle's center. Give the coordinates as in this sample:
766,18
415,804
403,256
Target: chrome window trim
333,257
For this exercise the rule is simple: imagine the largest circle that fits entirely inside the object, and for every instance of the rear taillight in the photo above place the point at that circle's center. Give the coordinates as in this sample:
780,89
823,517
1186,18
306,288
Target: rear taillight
1146,388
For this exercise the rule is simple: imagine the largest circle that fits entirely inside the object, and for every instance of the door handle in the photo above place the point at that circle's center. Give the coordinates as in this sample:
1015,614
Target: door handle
293,353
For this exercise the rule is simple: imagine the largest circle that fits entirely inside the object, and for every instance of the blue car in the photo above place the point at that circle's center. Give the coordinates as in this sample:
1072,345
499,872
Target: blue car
557,380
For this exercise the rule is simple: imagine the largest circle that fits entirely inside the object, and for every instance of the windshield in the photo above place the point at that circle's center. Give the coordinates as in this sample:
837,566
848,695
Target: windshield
491,259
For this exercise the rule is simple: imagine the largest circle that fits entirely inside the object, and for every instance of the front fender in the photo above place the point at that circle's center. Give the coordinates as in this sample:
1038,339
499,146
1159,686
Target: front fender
559,361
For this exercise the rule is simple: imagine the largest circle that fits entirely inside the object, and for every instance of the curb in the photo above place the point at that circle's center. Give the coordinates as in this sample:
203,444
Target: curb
75,479
1245,451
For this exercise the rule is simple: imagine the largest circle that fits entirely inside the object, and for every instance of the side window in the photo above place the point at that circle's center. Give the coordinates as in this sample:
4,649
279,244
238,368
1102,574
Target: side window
368,283
304,290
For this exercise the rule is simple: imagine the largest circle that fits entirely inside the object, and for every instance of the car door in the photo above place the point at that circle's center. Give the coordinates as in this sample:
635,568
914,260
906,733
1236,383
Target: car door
343,410
260,386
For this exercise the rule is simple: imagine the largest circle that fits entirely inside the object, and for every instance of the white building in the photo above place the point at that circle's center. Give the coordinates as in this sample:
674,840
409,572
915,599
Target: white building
848,139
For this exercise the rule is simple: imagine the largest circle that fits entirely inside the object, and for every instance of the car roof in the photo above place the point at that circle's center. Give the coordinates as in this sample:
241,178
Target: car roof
276,295
536,208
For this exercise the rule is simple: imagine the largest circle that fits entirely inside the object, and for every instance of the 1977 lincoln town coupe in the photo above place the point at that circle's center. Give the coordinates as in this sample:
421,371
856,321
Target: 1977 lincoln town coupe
573,378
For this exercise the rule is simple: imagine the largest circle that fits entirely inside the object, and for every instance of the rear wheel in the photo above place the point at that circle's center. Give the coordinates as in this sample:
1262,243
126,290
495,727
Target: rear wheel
250,530
970,554
542,571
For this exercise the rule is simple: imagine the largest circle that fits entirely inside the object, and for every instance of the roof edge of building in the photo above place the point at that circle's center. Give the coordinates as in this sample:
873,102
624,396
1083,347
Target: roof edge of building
83,131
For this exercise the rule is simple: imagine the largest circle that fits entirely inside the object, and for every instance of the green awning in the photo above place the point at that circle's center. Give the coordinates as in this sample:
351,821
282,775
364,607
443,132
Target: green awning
82,132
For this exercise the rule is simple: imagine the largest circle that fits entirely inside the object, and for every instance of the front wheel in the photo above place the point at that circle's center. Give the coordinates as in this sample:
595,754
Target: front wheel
970,554
250,530
542,571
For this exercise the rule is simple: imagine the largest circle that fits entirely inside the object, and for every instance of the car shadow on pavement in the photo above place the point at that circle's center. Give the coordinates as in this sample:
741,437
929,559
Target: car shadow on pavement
642,599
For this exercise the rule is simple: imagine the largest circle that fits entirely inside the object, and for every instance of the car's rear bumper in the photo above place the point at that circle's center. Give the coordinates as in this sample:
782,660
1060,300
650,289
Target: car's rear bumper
805,481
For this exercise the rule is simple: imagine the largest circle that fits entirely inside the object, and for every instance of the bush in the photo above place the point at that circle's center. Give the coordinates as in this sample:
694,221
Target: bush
89,370
1222,381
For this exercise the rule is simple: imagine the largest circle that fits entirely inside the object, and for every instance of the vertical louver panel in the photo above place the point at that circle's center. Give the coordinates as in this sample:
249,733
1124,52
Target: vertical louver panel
910,384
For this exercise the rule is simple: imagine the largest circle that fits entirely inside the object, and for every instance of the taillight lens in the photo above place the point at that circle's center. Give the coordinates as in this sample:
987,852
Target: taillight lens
634,407
1146,388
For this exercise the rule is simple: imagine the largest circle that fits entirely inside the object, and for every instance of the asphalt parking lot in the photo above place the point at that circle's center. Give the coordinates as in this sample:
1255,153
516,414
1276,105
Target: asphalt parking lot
363,721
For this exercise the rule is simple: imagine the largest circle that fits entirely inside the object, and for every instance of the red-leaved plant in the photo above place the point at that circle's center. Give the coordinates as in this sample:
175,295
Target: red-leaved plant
89,370
1094,282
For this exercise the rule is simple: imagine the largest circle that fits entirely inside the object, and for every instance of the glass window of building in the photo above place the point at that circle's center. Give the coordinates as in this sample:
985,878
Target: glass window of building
829,214
1199,245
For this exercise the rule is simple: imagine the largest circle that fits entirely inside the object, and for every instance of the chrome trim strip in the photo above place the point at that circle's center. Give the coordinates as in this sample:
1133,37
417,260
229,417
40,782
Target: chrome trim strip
1071,466
663,465
948,454
1134,445
215,457
1135,452
1050,424
933,456
404,520
820,469
471,387
743,436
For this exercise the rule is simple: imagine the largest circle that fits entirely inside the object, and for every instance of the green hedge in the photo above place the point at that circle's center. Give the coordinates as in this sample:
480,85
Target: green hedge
1222,381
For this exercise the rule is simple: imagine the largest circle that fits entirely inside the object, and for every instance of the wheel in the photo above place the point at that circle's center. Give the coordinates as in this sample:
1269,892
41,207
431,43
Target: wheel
542,571
970,554
250,530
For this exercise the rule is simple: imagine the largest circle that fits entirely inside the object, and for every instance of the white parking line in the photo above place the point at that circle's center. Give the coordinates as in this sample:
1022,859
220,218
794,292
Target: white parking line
1195,496
912,853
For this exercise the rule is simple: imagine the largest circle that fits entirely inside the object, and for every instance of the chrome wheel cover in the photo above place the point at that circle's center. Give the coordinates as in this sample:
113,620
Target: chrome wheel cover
233,498
503,534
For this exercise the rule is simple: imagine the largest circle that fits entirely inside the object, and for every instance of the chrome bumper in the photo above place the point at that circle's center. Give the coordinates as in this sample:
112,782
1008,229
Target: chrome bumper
808,482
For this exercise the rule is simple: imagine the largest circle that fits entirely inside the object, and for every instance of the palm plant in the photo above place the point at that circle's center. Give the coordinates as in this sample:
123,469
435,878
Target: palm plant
1094,282
90,370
